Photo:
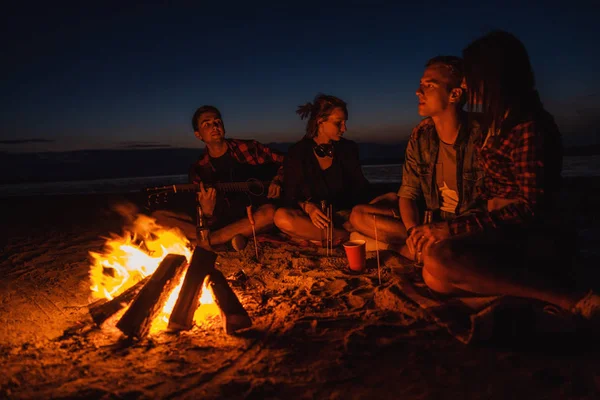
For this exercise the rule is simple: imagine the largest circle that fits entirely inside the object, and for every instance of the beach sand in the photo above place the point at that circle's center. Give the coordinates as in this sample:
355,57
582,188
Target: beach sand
319,331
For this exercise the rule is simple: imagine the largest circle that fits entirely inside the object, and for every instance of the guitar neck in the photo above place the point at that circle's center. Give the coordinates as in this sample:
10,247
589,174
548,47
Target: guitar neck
225,187
228,187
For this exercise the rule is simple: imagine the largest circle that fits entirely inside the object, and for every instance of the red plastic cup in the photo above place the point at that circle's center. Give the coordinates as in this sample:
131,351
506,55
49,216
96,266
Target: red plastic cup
357,254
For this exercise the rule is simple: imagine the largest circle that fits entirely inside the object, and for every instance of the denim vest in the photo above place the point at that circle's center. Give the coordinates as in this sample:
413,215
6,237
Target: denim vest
418,174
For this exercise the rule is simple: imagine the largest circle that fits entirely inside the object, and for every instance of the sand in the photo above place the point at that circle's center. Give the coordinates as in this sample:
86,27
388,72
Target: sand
319,331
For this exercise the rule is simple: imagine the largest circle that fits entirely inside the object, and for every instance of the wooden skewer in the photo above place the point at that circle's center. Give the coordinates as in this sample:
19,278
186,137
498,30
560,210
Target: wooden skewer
251,219
331,229
325,211
329,225
377,249
326,232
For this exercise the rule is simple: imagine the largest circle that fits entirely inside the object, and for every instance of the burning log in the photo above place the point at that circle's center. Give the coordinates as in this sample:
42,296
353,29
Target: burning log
233,314
152,297
101,311
201,265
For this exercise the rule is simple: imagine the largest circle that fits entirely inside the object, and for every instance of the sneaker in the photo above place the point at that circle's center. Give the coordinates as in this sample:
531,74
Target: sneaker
370,242
589,307
239,242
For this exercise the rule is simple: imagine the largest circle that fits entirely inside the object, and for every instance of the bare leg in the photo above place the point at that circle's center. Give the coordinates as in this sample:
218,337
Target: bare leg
389,229
452,269
183,222
263,219
297,224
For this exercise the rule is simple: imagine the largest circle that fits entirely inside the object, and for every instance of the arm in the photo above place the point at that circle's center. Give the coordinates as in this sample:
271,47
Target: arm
411,183
409,212
193,175
516,207
410,190
265,153
205,198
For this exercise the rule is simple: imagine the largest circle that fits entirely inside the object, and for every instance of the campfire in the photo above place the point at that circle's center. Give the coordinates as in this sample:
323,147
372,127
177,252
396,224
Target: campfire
160,283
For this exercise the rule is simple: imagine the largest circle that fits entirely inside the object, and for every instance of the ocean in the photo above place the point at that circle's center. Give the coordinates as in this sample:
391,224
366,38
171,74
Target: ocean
572,166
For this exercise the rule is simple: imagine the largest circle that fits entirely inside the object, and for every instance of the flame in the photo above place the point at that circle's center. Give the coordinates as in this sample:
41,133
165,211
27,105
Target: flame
136,254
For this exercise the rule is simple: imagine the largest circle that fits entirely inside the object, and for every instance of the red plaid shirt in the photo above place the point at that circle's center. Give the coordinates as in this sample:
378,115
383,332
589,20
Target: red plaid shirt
245,152
518,164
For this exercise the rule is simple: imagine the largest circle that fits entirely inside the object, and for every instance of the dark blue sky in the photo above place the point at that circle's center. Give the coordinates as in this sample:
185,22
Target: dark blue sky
114,76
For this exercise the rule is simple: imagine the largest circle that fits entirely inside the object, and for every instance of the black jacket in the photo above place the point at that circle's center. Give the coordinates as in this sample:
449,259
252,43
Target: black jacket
304,179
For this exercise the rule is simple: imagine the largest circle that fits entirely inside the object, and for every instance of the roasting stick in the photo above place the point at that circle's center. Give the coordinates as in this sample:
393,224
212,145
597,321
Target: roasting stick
251,219
327,230
325,211
331,228
377,249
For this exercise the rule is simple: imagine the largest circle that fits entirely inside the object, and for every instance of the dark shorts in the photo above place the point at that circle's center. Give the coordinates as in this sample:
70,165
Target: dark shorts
233,208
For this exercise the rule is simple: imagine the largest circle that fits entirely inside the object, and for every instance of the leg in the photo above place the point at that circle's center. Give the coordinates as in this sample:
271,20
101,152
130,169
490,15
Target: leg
263,219
183,222
389,229
465,265
297,224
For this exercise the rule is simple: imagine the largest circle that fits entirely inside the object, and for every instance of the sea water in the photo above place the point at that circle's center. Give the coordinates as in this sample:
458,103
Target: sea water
392,173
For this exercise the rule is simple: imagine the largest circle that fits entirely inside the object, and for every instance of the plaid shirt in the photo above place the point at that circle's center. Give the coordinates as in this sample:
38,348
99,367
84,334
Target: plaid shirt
519,163
421,156
248,152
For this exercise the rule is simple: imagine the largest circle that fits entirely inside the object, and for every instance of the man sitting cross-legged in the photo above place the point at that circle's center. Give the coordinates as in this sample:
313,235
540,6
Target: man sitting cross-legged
440,164
225,161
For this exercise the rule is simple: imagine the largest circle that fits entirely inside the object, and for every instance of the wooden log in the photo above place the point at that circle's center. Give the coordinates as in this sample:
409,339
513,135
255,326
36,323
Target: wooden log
233,314
103,310
201,265
148,304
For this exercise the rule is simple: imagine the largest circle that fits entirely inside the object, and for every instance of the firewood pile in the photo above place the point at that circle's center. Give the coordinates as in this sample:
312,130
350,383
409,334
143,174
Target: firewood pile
147,298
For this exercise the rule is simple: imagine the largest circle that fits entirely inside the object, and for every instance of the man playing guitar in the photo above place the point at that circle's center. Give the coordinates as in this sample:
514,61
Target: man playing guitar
229,160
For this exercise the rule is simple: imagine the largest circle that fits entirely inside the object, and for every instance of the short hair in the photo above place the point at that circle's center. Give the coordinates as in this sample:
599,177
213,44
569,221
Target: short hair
455,67
321,107
201,111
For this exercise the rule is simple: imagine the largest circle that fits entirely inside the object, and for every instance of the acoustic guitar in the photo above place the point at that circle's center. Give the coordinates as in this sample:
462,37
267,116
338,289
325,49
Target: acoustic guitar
161,194
252,180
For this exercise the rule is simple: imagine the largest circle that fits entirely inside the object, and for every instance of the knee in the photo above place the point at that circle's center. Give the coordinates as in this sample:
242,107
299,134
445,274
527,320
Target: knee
437,263
166,217
267,213
161,214
436,284
357,214
283,219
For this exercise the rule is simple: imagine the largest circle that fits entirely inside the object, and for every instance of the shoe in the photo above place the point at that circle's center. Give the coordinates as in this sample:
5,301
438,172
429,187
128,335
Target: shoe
589,307
239,242
370,242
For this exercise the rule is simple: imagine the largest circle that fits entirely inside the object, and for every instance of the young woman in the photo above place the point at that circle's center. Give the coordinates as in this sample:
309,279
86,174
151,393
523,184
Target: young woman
323,166
509,248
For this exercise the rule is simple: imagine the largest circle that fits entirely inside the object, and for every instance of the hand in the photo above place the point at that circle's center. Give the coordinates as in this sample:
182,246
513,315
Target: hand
423,237
318,218
208,199
391,196
274,191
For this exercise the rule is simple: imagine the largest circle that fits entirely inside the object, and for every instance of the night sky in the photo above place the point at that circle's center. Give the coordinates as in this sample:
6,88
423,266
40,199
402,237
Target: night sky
124,76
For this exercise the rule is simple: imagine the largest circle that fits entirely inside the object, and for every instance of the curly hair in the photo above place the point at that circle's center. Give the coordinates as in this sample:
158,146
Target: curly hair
320,109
